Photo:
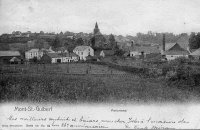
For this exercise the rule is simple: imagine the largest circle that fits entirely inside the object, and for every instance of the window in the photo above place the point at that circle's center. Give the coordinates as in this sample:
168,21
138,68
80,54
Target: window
81,53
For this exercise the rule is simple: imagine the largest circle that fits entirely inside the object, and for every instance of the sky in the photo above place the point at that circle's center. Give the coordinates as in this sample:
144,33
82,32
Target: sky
120,17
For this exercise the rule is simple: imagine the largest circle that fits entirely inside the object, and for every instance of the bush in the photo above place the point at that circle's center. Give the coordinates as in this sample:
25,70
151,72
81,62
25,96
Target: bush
185,77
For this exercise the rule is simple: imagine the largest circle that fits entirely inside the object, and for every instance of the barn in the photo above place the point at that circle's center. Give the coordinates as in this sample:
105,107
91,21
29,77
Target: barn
7,57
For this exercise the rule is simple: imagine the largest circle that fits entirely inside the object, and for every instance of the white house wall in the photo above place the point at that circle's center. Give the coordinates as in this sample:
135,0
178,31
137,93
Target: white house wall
31,55
64,59
134,53
83,54
172,57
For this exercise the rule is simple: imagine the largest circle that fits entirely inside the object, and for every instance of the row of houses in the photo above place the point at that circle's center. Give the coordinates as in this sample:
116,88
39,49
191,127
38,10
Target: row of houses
59,55
170,52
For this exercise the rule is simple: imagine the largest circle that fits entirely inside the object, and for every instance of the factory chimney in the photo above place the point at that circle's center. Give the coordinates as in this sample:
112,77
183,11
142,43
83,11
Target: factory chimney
163,42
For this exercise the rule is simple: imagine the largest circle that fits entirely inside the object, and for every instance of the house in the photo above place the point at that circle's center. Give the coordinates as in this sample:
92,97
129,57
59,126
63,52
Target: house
105,53
83,51
70,37
195,54
33,53
144,51
59,58
174,50
10,57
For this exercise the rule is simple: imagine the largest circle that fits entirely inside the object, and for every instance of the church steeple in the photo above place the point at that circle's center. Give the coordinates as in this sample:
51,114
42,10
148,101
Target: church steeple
96,26
96,29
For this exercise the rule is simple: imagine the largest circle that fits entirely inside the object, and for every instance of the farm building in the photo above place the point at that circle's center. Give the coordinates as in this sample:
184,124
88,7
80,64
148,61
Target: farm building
105,53
83,51
7,57
144,51
59,58
174,50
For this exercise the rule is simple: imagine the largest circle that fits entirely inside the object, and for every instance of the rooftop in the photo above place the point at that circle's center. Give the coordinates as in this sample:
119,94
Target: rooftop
146,49
9,53
56,55
81,48
196,52
108,52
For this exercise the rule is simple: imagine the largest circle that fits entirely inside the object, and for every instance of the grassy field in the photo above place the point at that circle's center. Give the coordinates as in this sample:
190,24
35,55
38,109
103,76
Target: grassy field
71,83
72,68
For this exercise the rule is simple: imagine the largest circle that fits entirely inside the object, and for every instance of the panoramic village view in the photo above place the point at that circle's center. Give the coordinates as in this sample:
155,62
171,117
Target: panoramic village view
81,67
100,51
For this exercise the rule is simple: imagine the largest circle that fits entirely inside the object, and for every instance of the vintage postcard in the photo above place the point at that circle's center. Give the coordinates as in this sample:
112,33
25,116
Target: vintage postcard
99,64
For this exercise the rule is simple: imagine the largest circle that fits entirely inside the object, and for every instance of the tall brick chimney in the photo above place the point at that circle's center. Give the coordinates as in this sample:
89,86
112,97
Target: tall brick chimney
163,42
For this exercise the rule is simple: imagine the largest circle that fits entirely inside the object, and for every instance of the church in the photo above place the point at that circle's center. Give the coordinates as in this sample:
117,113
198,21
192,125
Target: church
98,40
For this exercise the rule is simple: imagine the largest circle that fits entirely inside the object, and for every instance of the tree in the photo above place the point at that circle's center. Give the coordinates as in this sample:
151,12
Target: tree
41,32
92,42
79,42
39,43
198,39
119,52
112,41
57,42
71,47
193,41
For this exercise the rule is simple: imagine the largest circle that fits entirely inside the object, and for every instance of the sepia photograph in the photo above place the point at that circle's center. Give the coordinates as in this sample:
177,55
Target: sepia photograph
99,64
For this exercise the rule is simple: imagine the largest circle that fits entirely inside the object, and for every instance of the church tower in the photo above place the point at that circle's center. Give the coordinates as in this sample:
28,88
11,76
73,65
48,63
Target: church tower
96,29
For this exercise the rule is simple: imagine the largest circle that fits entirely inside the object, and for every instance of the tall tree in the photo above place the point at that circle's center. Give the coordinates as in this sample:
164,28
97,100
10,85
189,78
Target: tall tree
198,39
92,40
193,41
57,42
112,41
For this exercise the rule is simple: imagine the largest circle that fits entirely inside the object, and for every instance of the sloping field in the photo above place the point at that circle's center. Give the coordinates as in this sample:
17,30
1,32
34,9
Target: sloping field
89,88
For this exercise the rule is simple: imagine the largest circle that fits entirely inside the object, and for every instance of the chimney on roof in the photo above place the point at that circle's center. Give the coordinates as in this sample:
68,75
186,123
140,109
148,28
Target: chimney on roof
163,42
